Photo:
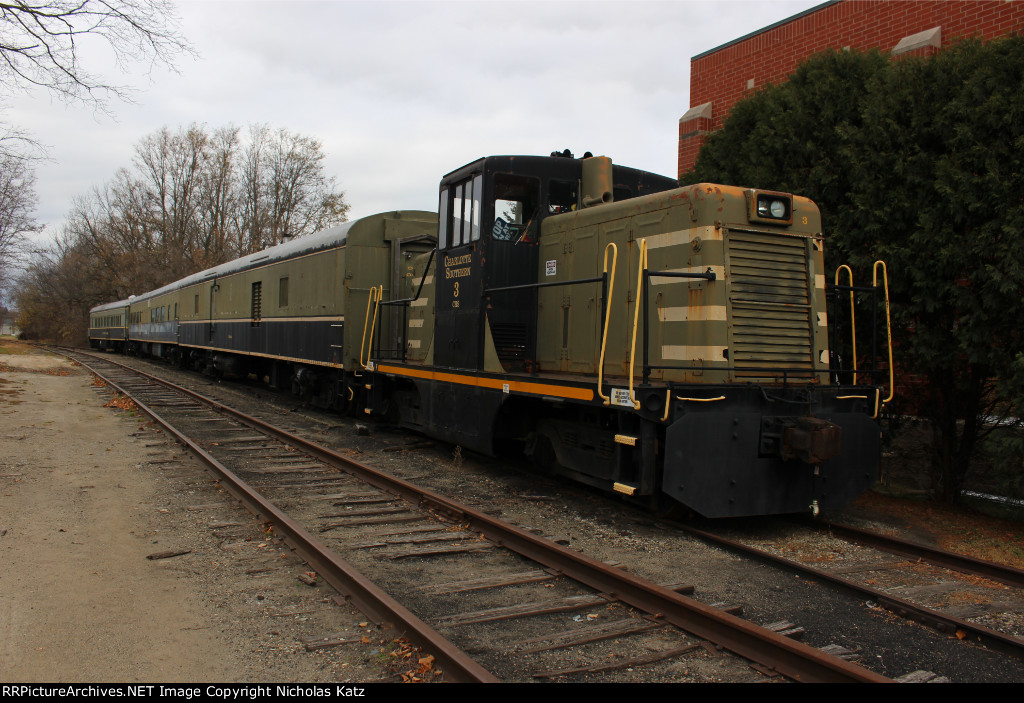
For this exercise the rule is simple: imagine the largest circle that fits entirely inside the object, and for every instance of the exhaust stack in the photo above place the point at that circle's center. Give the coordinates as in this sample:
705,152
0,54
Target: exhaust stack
596,188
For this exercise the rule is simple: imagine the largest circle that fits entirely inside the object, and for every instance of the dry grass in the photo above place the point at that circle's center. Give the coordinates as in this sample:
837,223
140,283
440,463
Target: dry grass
9,345
956,529
7,392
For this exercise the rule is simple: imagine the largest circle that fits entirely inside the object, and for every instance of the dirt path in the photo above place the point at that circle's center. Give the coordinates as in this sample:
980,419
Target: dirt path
82,503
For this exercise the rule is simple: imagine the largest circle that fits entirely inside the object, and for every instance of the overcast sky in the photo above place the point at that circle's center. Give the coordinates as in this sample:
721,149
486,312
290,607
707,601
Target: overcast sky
400,93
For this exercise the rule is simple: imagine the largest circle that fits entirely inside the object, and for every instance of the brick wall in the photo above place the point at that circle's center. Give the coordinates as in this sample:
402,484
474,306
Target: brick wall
720,77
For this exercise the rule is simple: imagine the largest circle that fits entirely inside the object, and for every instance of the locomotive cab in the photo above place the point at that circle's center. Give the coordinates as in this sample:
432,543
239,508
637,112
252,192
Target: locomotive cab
491,213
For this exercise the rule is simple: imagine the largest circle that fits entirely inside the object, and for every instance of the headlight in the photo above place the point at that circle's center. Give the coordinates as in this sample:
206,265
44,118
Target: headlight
774,208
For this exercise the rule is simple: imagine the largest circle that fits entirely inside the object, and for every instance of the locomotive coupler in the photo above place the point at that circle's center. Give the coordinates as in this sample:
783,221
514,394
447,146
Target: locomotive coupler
809,439
812,440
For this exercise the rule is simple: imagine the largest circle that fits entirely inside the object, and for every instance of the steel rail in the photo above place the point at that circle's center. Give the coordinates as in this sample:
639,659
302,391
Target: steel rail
946,624
770,650
346,579
940,557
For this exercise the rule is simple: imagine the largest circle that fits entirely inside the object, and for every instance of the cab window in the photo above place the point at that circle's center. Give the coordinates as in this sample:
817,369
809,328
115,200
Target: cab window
460,223
561,197
515,208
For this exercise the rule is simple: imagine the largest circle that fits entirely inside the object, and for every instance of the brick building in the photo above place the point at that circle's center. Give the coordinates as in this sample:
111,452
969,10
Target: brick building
725,74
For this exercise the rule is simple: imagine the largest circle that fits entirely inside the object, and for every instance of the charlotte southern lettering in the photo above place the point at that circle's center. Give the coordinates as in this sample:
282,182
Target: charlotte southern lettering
450,261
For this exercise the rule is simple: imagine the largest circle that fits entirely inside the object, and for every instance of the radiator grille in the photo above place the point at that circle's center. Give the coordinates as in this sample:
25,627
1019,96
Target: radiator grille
771,312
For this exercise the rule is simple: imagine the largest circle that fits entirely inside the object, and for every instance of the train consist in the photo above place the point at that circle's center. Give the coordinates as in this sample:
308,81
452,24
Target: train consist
667,343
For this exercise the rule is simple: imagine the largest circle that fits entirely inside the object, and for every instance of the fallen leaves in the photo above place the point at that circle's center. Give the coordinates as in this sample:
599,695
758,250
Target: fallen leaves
121,402
422,670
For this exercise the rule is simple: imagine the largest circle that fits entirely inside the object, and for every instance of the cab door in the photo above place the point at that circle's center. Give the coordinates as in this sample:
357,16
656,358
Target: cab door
511,251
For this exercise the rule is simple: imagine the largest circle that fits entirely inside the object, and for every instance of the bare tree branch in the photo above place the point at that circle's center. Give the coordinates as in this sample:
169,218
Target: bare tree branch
17,204
195,198
40,43
18,144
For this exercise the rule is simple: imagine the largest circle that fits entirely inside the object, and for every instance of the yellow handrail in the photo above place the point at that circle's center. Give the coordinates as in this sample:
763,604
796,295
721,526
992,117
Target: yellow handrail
888,324
607,318
853,318
636,318
373,299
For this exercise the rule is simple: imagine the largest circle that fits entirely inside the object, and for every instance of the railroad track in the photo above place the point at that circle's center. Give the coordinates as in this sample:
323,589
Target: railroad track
952,593
405,534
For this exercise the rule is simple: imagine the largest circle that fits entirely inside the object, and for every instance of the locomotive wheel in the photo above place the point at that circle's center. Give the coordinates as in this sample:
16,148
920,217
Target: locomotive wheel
541,452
